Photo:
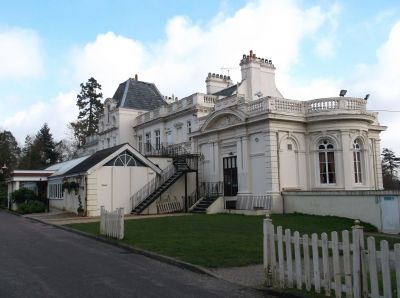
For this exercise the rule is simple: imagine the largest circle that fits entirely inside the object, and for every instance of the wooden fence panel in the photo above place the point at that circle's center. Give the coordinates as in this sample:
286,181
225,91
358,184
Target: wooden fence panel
397,266
387,288
356,263
307,262
315,258
325,265
347,264
336,265
289,267
273,254
373,272
280,258
297,260
112,223
361,272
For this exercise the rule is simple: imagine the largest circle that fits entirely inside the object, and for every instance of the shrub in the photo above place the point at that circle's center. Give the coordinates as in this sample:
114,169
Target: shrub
31,207
23,194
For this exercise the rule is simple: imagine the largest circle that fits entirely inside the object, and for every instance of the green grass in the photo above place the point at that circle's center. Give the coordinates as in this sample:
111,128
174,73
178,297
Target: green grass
216,240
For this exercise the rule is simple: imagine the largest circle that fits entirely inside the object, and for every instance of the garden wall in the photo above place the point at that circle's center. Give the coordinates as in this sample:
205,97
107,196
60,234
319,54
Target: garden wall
379,208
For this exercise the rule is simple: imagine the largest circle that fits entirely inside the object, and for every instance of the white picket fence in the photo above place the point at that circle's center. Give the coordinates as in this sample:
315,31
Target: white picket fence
112,223
334,267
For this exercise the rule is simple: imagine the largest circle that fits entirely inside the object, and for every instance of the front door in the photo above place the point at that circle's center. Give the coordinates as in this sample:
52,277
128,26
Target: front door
230,176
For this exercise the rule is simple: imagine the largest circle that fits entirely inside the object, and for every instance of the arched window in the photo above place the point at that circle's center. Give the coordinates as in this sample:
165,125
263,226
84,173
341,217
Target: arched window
108,113
326,157
357,161
125,160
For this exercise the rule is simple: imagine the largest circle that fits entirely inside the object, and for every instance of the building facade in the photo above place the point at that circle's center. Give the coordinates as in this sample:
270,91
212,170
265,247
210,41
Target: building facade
259,143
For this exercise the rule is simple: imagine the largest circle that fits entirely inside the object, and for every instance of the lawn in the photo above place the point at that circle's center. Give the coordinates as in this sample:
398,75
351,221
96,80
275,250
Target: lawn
220,240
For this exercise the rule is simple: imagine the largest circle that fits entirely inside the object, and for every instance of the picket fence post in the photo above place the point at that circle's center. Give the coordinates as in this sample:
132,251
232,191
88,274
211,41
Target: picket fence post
267,252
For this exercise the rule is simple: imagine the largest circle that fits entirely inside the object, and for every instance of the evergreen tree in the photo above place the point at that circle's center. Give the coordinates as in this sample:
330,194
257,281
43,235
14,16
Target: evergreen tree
390,166
9,154
45,145
9,150
41,151
90,110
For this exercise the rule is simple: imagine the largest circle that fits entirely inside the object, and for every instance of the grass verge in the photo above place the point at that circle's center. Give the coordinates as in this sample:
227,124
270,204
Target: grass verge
219,240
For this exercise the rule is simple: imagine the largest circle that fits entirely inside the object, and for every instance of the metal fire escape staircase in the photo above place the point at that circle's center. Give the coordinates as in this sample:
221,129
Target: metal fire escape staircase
183,162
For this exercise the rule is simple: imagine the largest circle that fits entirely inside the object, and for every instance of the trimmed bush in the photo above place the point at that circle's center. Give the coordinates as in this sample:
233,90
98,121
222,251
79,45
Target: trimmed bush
31,207
23,194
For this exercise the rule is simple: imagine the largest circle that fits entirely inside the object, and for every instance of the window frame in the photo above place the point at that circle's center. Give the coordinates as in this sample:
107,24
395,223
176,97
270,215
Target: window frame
357,162
326,162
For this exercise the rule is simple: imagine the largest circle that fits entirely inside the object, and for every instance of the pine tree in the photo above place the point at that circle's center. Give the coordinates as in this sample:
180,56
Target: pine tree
9,150
390,166
41,151
45,145
90,110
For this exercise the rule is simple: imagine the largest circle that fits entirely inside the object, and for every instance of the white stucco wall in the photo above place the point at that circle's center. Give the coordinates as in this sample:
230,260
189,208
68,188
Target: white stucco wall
365,206
115,186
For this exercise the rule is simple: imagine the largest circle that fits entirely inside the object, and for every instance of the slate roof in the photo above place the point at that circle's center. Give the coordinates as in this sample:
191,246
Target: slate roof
92,160
133,94
227,91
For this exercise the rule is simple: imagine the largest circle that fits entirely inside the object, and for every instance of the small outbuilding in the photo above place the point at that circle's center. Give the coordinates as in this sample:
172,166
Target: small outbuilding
108,177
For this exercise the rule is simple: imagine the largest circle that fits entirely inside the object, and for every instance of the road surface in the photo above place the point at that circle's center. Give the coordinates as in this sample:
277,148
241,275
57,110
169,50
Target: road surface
38,260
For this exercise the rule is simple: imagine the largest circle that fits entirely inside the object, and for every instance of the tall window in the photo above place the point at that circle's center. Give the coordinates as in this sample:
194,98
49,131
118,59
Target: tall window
139,143
357,161
189,127
326,158
158,141
148,142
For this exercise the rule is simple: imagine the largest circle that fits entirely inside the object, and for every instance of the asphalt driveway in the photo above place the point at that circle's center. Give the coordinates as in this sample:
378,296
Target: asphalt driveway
38,260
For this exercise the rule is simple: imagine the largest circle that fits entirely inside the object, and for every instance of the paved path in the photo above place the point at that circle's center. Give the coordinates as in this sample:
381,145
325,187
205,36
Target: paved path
59,217
37,260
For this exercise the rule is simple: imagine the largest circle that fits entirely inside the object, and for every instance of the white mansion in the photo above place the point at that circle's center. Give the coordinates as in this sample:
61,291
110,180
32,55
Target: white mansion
320,156
249,136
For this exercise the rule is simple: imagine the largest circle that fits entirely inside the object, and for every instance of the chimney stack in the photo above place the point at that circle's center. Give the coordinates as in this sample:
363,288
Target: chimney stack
258,77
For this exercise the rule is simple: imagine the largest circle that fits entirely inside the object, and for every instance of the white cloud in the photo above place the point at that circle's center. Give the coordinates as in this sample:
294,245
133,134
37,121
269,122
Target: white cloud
110,59
57,113
179,63
20,53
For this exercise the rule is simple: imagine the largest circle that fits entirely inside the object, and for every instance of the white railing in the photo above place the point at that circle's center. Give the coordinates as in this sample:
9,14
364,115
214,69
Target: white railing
272,104
320,264
251,202
168,207
187,102
112,223
151,186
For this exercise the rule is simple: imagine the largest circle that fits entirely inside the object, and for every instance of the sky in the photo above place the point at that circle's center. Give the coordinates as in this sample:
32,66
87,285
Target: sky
47,48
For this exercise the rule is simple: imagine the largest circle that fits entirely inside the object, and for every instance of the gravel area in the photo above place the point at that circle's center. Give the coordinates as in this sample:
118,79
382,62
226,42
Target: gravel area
247,276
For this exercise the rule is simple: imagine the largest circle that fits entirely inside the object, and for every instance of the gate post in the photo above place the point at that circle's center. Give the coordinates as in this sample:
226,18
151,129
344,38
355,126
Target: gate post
360,281
267,254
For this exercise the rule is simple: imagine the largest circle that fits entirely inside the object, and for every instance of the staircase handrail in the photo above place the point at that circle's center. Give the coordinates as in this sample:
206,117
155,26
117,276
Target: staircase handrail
151,186
193,200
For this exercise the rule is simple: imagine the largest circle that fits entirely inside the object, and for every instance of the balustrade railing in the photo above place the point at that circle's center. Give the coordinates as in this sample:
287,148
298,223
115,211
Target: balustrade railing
271,104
